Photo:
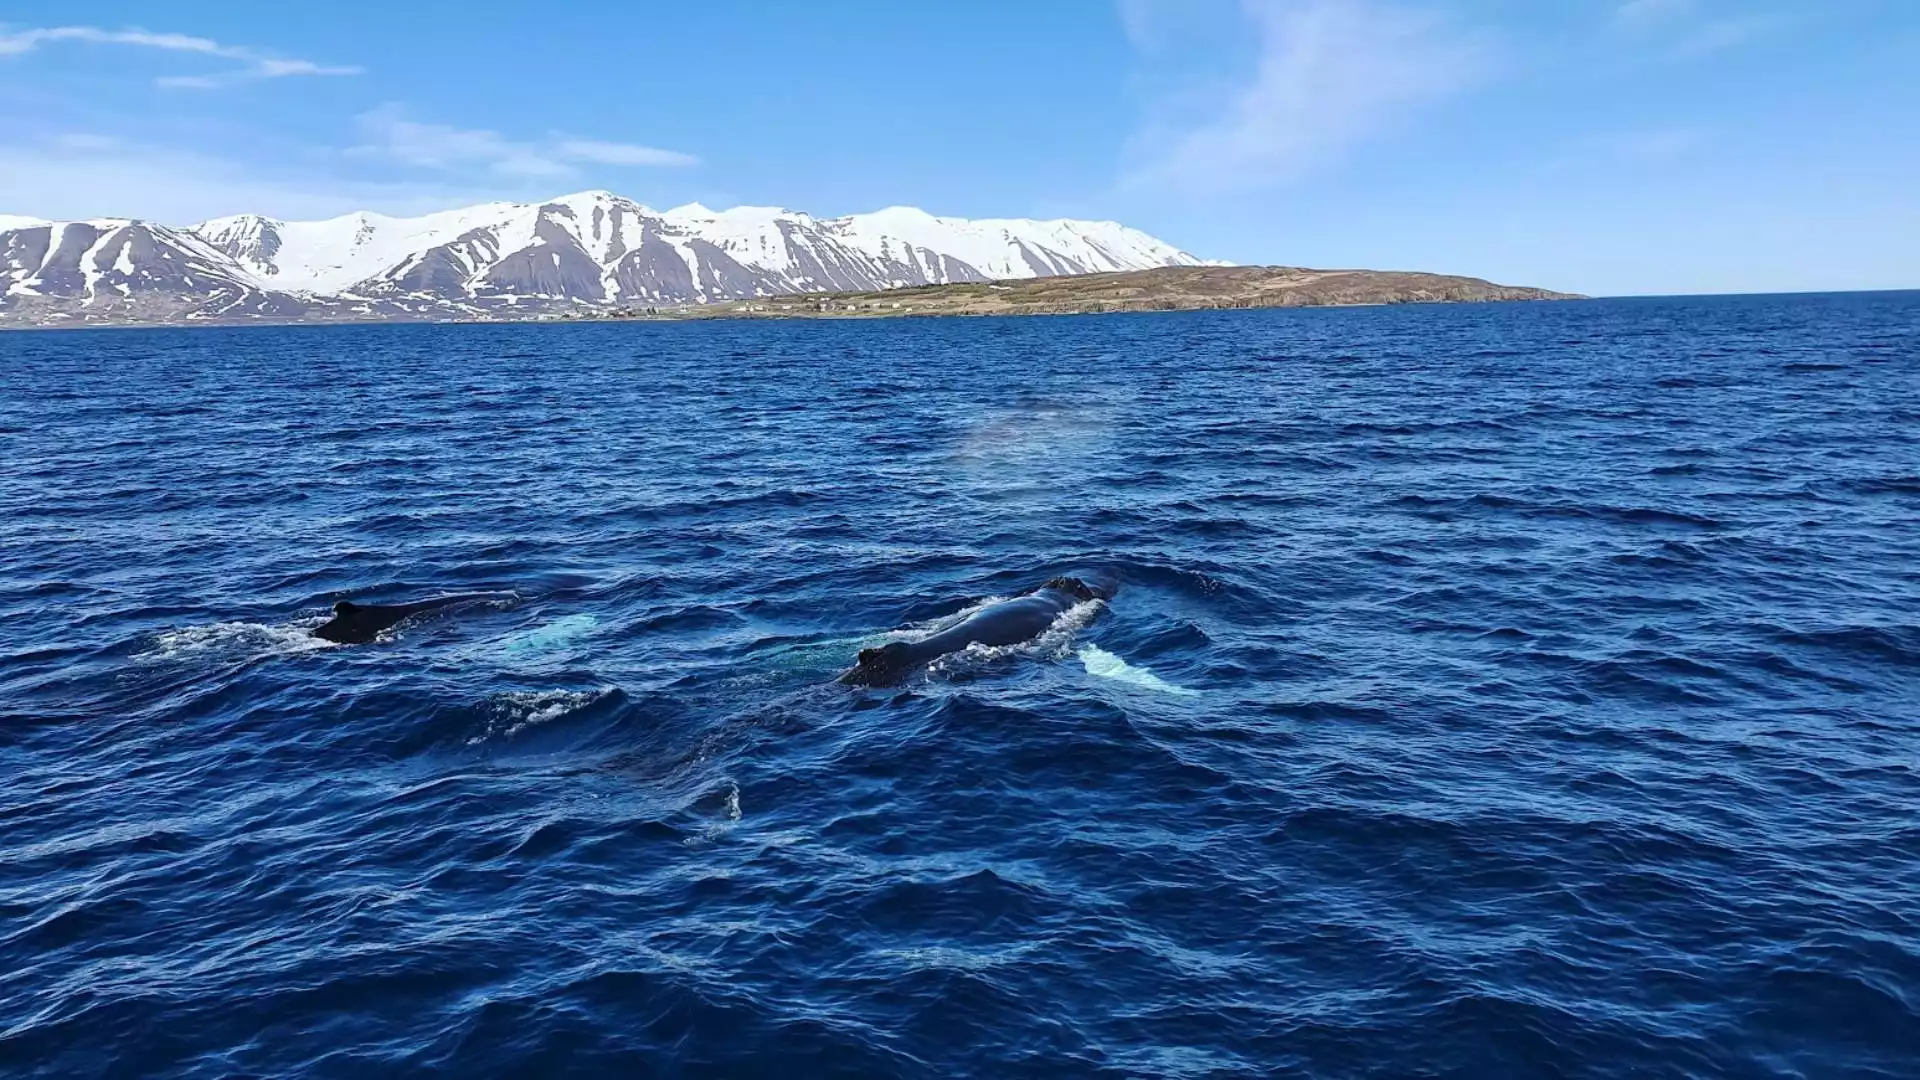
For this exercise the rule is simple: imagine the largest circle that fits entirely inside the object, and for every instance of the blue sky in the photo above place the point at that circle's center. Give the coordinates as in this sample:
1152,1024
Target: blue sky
1604,146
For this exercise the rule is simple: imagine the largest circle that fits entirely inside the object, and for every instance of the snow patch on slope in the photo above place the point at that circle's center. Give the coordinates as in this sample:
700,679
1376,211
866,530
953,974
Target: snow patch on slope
752,235
331,256
1012,248
591,248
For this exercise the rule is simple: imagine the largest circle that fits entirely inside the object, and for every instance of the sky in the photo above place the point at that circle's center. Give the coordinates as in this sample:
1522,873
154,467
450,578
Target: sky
1602,146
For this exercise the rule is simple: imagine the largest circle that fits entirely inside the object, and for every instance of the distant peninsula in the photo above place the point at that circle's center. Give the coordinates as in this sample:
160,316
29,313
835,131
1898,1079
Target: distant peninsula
597,255
1178,288
1175,288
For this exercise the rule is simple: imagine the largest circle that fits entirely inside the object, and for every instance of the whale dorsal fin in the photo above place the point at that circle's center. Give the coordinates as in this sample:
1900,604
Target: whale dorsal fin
893,652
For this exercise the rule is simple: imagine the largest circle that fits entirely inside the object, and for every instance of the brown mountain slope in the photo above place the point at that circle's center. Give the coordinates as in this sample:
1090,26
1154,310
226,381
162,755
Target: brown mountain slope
1181,288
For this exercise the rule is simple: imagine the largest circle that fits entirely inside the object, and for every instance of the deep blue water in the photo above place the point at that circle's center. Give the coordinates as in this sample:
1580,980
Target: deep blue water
1538,695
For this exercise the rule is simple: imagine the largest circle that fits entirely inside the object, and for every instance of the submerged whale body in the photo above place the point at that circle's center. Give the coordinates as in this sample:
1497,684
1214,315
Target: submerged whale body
358,624
1009,622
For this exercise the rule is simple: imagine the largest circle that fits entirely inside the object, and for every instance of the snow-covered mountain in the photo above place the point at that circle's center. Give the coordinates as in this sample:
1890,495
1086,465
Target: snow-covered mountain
115,268
593,249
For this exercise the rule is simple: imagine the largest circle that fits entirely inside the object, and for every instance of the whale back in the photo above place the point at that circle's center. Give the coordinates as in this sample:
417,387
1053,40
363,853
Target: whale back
359,624
880,666
1100,588
1007,622
356,624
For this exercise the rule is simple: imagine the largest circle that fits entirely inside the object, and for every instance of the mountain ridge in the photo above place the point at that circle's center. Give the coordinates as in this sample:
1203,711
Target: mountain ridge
595,254
586,250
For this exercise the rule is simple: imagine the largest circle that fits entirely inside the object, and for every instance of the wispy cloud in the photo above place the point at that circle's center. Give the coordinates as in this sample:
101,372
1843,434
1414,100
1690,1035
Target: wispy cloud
1155,26
1137,21
615,153
391,133
85,142
1637,14
1653,144
195,82
1719,35
1686,28
1612,151
438,146
258,64
1329,74
80,175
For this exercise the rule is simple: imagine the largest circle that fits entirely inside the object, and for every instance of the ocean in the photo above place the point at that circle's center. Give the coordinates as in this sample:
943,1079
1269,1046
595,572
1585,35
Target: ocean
1511,690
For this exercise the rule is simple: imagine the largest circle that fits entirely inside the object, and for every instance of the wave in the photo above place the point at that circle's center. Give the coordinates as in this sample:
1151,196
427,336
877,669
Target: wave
1611,772
506,716
1893,644
1447,509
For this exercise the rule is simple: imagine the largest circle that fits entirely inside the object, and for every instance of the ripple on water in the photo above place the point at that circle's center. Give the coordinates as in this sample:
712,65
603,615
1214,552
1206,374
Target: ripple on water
1500,690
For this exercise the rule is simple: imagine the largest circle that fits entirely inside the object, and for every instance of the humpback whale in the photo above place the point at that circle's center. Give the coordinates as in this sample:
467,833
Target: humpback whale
1009,622
358,624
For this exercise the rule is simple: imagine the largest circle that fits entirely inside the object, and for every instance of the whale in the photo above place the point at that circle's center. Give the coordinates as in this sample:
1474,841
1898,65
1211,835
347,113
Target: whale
359,624
1008,622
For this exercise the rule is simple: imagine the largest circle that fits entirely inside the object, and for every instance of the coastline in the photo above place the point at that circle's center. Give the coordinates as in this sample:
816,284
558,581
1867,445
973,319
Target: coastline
1162,290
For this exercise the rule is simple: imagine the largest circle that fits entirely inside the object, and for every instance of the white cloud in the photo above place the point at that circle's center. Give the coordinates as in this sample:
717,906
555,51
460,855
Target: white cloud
1654,144
1721,34
23,41
1137,20
438,146
1685,30
1612,151
85,141
280,69
78,176
1329,74
435,146
1637,14
614,153
259,65
532,167
80,173
1160,26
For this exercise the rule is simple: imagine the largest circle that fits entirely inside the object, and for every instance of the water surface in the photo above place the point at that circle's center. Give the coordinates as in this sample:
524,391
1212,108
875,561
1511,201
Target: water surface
1512,690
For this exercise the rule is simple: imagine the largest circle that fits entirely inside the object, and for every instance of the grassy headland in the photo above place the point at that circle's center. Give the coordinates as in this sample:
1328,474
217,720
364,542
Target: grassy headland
1184,288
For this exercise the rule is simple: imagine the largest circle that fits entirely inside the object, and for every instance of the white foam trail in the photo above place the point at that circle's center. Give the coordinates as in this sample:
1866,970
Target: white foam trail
1108,666
510,713
555,634
1055,640
718,830
234,639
